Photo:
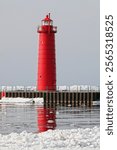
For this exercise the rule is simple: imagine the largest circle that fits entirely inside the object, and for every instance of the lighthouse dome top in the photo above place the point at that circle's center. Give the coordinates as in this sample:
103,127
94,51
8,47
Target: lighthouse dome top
47,20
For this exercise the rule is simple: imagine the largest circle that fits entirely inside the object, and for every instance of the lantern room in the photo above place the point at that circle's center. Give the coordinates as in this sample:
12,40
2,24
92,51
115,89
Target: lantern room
47,26
47,21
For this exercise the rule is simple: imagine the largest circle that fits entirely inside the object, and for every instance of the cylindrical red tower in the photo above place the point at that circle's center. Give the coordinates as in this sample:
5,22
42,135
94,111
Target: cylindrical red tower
46,79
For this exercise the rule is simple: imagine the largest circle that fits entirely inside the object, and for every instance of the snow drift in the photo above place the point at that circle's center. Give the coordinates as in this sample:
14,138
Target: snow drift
75,139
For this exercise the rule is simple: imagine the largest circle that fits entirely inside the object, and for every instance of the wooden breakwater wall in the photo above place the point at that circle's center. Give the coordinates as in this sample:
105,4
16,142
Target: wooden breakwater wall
64,98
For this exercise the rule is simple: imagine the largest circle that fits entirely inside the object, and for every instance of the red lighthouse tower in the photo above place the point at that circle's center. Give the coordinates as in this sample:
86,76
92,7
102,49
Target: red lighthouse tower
46,79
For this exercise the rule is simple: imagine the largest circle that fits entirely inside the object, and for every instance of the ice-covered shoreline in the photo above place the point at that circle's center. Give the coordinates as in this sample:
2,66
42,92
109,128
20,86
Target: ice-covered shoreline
20,100
75,139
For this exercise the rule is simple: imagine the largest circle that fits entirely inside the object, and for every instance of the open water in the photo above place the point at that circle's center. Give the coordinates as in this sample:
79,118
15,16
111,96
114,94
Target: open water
34,118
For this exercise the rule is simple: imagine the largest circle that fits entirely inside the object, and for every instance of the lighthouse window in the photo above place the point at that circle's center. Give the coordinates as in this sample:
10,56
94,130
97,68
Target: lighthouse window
51,23
40,76
46,23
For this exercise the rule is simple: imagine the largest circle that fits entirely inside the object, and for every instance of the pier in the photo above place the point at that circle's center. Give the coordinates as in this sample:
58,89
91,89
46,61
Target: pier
64,98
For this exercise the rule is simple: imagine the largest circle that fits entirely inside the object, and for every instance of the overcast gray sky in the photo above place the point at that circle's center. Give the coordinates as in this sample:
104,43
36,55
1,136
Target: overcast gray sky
77,40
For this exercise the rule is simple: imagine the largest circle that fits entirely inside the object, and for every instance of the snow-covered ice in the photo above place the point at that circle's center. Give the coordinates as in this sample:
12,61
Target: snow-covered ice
96,103
75,139
78,88
60,88
21,100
